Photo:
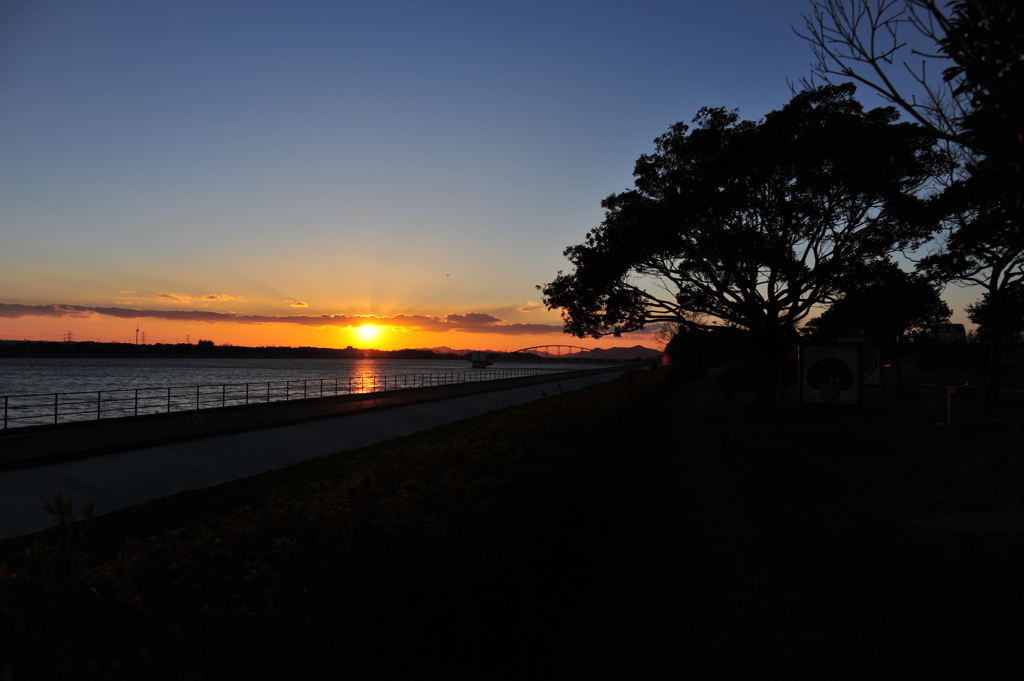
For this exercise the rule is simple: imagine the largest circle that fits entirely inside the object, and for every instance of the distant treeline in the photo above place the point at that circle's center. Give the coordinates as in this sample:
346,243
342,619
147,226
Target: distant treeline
93,349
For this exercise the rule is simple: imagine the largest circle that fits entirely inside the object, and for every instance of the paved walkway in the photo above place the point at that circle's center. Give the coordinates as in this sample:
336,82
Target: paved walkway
120,480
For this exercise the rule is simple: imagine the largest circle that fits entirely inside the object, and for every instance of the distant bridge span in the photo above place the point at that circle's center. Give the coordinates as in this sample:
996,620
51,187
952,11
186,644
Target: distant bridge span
556,352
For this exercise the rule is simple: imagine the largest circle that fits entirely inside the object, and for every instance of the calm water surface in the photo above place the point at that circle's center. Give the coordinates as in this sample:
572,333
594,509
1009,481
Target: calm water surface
60,375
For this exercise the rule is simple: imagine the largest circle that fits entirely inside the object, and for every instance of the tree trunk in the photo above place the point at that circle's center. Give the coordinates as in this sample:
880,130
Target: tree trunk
894,344
995,371
769,366
995,361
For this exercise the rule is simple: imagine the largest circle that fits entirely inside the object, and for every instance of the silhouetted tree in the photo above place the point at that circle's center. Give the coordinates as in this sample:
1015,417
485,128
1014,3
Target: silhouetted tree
752,223
886,306
866,41
977,105
889,304
1011,324
985,40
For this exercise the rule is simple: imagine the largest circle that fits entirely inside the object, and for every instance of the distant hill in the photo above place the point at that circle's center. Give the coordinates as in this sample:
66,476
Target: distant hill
618,353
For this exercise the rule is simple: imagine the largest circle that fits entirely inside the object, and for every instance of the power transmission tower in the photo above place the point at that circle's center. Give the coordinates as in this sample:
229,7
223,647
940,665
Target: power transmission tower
143,337
69,337
188,339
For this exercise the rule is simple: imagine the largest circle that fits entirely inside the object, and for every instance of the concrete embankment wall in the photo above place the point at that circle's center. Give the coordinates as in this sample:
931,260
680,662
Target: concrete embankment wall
38,445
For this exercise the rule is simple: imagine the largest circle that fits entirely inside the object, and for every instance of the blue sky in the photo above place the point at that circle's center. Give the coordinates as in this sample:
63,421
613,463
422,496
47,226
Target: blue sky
385,158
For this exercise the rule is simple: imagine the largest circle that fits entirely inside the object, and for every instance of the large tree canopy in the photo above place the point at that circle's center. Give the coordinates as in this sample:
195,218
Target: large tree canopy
1010,326
978,106
985,245
888,304
750,222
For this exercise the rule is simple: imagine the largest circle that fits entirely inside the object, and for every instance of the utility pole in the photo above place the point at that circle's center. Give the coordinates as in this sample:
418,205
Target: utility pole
136,333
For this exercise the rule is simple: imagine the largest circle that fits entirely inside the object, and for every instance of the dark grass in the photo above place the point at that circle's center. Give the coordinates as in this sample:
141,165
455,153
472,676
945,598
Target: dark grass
629,527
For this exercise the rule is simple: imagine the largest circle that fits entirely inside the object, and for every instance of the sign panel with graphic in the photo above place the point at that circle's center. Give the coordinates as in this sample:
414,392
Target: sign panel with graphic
831,374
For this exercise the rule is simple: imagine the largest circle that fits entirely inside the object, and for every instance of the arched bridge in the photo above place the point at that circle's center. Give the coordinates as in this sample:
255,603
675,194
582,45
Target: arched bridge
546,353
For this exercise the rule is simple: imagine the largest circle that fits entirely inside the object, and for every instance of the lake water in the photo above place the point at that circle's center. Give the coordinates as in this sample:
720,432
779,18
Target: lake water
91,389
42,376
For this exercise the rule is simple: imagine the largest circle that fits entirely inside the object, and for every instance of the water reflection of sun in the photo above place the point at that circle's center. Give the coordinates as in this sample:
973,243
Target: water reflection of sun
368,333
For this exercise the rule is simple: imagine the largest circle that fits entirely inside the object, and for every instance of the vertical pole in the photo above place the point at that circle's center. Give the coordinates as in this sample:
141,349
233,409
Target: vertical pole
223,394
335,386
303,388
136,401
168,400
287,390
268,392
247,393
99,394
5,411
55,407
197,398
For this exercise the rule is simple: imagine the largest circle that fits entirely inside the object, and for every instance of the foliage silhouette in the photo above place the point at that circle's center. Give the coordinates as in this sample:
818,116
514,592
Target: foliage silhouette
751,223
888,304
1010,326
977,106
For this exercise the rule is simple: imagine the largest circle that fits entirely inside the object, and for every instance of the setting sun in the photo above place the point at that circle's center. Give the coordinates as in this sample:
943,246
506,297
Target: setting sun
368,333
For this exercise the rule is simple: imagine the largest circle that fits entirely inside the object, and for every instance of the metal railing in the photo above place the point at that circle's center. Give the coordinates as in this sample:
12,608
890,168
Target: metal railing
54,408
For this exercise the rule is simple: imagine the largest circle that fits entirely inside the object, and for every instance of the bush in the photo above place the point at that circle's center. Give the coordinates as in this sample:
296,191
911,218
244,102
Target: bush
954,356
692,352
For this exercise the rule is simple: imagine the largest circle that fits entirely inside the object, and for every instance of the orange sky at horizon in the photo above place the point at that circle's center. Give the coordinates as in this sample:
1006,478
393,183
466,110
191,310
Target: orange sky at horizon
106,329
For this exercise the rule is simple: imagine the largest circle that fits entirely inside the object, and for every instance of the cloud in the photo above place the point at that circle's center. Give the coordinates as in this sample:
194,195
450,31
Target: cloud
469,322
172,298
471,319
518,329
529,307
297,303
219,296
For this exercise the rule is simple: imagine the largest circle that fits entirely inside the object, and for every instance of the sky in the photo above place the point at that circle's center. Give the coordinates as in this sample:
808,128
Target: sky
377,174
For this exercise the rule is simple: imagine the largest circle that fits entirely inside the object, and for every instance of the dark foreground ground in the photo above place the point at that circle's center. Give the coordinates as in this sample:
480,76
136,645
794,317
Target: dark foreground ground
640,526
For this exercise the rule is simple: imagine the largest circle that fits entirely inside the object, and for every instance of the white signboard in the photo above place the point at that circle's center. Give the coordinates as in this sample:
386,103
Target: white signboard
830,374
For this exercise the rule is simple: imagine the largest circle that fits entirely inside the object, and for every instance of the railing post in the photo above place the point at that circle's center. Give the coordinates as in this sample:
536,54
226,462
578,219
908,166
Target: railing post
136,401
223,394
55,396
335,386
197,398
268,392
168,400
99,395
287,390
247,394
